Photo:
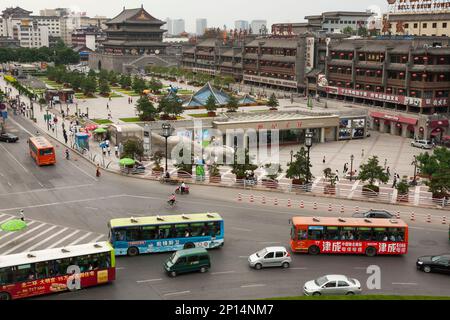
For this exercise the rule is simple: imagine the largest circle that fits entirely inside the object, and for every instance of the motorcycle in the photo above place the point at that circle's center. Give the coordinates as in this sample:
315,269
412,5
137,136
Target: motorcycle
178,190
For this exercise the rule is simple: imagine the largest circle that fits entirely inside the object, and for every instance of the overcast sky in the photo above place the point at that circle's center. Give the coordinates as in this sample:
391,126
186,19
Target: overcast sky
218,13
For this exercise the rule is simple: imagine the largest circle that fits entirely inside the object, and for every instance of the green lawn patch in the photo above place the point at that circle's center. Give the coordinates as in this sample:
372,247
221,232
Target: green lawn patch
199,115
115,95
102,121
135,119
82,96
363,297
127,92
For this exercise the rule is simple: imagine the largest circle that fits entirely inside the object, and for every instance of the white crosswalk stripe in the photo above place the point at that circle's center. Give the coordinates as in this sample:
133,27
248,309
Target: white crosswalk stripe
40,235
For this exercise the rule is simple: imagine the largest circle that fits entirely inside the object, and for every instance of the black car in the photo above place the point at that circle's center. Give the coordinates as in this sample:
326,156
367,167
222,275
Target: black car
8,137
375,214
439,263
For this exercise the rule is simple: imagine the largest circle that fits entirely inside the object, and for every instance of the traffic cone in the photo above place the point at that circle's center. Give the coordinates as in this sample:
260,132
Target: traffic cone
398,215
429,218
240,197
342,209
413,216
289,203
251,198
302,205
263,200
330,208
315,205
275,202
444,220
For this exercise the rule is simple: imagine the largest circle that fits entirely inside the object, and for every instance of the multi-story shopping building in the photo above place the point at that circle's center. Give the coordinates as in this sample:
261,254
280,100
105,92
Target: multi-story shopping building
409,17
336,22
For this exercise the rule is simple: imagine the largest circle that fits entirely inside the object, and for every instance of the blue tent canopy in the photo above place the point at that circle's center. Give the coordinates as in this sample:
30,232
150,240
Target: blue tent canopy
199,99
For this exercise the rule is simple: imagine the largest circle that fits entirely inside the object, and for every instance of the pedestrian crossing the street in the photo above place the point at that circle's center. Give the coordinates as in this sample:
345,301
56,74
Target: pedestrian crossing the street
40,235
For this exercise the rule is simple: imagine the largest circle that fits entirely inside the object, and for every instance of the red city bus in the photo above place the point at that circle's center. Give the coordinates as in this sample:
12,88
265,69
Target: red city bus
371,237
42,151
36,273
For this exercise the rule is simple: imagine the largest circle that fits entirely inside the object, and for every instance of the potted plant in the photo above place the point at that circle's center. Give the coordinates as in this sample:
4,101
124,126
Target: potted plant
214,173
403,190
157,158
330,176
273,102
272,172
185,169
242,169
211,106
372,172
299,170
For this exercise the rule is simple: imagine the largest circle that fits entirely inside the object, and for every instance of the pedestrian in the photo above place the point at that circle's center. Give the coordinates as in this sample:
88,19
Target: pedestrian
21,215
107,142
109,151
337,175
394,184
97,173
107,107
388,171
109,97
65,136
324,160
116,150
104,150
345,168
362,153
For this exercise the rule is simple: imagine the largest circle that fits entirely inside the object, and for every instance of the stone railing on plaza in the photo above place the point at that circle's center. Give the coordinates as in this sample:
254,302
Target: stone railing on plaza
341,191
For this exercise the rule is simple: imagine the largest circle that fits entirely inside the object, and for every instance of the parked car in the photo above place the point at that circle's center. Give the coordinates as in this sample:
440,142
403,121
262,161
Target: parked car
8,137
332,285
423,144
270,257
375,214
440,263
189,260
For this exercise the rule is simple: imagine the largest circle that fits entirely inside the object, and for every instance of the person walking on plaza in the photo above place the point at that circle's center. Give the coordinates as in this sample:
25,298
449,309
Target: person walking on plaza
362,153
345,168
97,173
116,150
394,184
109,151
21,215
388,171
65,136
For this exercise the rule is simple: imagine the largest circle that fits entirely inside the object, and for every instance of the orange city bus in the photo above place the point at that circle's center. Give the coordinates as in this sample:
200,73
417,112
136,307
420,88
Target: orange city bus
371,237
42,151
48,271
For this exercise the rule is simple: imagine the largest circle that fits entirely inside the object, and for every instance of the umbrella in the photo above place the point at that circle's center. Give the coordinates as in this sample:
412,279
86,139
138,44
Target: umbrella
100,130
127,162
91,127
13,225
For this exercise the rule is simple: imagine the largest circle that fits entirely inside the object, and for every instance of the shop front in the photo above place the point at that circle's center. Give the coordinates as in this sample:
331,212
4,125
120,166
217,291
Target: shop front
352,128
394,124
438,129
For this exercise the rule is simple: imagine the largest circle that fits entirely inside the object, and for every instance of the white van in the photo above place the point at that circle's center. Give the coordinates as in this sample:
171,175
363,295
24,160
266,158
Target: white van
423,144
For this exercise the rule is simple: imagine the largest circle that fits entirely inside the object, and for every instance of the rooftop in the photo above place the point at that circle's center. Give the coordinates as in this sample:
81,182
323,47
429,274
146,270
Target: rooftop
142,221
134,16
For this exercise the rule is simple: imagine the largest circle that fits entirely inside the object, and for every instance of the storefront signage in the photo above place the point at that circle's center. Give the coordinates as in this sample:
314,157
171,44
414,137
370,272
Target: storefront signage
437,102
309,55
414,6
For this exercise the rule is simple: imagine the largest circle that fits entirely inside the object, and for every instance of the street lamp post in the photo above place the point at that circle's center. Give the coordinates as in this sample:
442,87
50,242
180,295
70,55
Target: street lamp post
308,144
292,155
415,170
166,127
47,118
352,158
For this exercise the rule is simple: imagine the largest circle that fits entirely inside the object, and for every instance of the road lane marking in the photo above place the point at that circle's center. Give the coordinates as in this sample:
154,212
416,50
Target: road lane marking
91,208
404,284
80,239
223,272
28,241
360,268
46,190
7,219
63,239
298,268
11,233
150,280
243,257
15,159
87,174
22,235
253,286
176,293
97,239
46,239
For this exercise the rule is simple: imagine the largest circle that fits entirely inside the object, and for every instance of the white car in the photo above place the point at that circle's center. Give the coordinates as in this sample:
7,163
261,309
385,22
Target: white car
332,285
270,257
423,144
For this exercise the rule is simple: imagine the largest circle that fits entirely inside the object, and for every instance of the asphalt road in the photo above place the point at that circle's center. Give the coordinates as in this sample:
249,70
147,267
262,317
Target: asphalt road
75,206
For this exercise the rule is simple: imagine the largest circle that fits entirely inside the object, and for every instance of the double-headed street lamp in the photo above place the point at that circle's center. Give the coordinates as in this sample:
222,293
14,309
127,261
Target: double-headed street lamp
308,144
167,132
352,158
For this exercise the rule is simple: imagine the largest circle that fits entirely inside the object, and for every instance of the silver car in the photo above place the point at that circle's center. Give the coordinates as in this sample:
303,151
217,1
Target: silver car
270,257
332,285
423,144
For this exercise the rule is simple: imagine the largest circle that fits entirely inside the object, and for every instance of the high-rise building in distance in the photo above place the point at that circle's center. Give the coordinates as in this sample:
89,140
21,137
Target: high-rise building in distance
258,26
178,27
169,26
200,26
241,25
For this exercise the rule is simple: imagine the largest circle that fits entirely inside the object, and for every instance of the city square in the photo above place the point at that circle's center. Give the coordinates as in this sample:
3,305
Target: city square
130,144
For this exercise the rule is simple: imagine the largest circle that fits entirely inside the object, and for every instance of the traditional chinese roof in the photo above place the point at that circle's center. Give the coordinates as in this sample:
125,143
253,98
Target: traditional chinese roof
199,99
16,12
134,16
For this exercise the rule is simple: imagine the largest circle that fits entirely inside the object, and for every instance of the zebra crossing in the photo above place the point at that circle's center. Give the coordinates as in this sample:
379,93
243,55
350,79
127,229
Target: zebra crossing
40,235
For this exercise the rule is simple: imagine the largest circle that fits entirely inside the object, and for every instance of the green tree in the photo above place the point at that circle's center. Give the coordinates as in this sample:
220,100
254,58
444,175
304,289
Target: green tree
273,102
372,172
103,87
155,86
145,109
133,148
348,31
113,78
89,86
298,169
363,32
437,167
171,105
240,168
211,105
233,104
139,85
125,81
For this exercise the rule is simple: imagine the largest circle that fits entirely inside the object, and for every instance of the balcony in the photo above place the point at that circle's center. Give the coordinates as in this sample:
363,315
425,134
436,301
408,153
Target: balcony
371,80
251,67
430,85
270,69
340,76
396,82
